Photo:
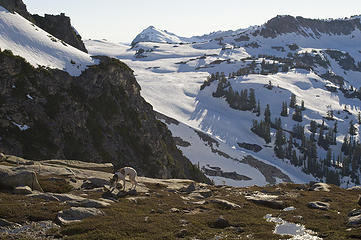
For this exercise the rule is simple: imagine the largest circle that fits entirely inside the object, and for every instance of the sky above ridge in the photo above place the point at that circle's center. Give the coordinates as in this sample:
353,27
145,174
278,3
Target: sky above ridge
122,20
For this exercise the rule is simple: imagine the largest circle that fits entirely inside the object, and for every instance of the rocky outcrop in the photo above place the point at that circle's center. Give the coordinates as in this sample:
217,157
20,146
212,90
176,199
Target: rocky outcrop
216,171
12,179
271,173
299,25
76,214
23,190
354,218
267,200
57,25
60,27
225,204
249,146
96,117
323,187
16,6
319,205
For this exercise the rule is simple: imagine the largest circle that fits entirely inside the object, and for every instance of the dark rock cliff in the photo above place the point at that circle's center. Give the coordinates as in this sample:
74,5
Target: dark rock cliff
96,117
57,25
60,27
16,6
290,24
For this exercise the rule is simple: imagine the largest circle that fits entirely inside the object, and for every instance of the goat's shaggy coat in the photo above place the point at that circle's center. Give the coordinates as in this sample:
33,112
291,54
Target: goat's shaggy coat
121,174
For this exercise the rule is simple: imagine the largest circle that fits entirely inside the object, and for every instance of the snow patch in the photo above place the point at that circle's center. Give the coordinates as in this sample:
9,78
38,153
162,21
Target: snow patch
297,231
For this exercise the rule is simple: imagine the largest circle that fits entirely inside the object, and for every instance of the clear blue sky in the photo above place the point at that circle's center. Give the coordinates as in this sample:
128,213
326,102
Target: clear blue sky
122,20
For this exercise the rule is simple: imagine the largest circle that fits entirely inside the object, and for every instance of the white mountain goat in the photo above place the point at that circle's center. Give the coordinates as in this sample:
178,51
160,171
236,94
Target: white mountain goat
121,174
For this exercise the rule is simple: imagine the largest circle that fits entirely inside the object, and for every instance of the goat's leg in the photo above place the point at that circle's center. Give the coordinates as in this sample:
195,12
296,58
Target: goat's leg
134,184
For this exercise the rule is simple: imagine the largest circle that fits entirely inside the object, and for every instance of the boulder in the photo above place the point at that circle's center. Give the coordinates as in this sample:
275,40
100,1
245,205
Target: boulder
181,233
10,178
196,196
202,202
249,146
323,187
2,157
58,197
225,204
206,193
89,203
354,212
67,197
191,187
76,214
318,205
174,210
354,221
5,223
44,196
266,200
91,183
135,199
220,222
23,190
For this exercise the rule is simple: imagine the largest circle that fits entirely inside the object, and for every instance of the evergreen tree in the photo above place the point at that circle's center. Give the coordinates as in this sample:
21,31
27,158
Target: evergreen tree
267,137
332,178
312,157
328,157
289,149
262,129
269,86
267,114
279,142
330,137
284,111
346,166
356,157
293,101
258,110
297,115
335,127
313,126
298,131
352,129
252,99
345,148
294,159
278,123
330,115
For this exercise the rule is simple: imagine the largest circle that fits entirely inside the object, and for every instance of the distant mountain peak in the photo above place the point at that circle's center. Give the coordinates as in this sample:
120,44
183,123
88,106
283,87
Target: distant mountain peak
153,34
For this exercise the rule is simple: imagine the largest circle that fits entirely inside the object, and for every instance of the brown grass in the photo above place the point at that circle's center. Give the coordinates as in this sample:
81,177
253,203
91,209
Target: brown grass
19,209
54,184
126,219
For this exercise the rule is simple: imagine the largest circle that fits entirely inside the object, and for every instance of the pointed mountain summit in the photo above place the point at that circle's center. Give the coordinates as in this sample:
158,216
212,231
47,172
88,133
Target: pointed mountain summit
152,34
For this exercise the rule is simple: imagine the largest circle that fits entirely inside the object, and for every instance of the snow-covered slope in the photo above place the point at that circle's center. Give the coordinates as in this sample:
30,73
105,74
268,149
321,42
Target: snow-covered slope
38,47
228,163
313,61
152,34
